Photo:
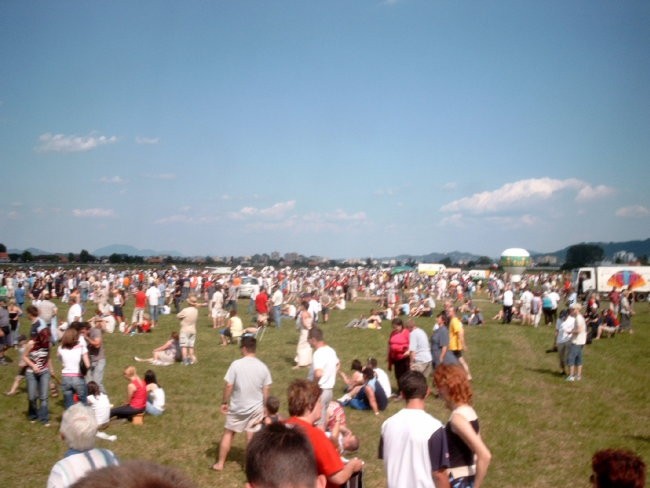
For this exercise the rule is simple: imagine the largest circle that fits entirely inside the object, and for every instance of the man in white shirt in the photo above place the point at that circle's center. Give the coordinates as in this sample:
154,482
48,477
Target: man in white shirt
75,313
578,341
563,329
419,349
153,294
413,443
526,304
276,302
216,308
508,302
325,364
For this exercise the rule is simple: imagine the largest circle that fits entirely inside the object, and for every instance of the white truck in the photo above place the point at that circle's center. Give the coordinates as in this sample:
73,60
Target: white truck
603,278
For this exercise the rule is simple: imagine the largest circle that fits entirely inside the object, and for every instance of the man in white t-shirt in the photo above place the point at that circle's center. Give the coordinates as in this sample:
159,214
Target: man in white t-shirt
578,341
75,313
325,364
413,443
419,349
508,302
563,329
216,308
153,294
276,301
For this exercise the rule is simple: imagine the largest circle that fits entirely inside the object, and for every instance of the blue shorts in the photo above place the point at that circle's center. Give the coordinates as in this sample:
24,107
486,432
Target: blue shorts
575,355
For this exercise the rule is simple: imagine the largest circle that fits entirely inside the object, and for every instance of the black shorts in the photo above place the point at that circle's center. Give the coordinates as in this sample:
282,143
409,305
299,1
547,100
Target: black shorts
458,354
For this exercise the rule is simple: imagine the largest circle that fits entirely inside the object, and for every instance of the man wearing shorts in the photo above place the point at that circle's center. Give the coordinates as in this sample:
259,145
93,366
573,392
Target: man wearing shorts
187,337
324,366
138,308
248,381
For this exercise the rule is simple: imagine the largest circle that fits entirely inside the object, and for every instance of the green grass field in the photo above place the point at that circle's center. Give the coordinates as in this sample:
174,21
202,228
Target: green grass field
541,430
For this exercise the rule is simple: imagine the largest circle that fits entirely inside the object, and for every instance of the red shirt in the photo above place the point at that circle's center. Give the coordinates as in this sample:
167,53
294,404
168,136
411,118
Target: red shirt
328,461
139,397
140,299
262,302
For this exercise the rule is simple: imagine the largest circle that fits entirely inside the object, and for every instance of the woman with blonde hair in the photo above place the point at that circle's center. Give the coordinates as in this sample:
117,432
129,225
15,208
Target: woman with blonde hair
469,457
136,396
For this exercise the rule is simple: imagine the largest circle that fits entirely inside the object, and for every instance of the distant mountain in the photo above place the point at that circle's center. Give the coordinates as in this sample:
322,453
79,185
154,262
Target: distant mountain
33,250
638,248
132,251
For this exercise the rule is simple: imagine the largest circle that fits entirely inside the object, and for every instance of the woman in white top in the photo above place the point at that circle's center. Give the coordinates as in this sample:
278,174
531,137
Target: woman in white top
303,350
155,394
72,354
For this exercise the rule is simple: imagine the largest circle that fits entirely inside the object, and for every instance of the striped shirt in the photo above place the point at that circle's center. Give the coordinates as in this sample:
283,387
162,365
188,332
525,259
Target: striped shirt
74,467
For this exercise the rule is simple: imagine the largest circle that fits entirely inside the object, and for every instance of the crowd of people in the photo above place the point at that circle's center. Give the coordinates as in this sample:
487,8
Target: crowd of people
414,446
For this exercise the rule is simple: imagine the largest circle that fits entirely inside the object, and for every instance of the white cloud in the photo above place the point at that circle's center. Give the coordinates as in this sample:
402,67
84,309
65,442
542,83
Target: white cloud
450,186
454,219
112,180
147,140
275,211
342,216
632,212
515,222
12,214
187,219
588,193
49,142
93,212
520,192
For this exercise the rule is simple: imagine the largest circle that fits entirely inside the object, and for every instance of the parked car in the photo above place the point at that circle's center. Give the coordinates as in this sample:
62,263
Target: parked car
248,284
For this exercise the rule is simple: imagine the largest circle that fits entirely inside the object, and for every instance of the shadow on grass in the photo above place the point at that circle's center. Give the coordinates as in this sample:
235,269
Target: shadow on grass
237,454
548,372
640,438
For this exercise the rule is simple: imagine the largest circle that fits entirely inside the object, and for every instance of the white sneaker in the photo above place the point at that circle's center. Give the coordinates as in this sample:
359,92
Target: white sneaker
570,378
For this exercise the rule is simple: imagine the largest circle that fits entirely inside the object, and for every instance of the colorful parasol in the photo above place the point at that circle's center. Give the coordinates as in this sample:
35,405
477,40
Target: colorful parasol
626,278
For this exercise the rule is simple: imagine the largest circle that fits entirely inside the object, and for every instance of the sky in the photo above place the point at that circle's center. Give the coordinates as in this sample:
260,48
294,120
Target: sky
362,128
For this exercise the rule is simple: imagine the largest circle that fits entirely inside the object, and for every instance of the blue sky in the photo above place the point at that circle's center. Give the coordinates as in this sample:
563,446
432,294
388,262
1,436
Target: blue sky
339,128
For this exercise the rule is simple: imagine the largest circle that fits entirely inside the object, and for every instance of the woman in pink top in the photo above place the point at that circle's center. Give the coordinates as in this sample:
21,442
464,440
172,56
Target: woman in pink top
398,350
136,396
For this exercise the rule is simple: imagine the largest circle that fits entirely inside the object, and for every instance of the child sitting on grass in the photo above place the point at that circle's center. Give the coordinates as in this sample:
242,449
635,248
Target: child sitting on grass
100,405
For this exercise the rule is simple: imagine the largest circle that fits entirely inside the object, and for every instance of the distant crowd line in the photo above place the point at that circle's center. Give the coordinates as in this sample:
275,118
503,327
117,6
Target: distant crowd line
414,446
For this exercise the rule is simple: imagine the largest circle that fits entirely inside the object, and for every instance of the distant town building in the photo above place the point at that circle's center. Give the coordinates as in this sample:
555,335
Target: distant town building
546,260
4,255
624,257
